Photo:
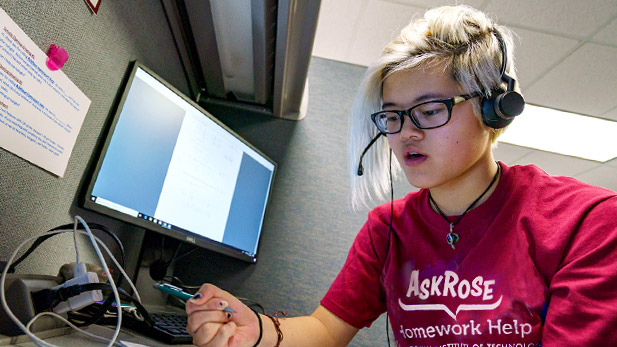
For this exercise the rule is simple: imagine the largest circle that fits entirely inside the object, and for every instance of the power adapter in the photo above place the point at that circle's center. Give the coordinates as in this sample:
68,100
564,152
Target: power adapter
81,276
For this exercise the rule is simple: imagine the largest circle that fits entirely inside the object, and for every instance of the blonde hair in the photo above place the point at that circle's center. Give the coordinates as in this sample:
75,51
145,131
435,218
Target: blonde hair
459,39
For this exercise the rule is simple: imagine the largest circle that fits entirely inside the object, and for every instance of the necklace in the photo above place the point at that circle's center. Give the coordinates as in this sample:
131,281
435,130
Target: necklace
453,237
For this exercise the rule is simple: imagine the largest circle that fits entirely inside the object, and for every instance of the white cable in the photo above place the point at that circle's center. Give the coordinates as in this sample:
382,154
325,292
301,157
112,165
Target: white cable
9,313
33,337
113,259
67,322
109,277
75,242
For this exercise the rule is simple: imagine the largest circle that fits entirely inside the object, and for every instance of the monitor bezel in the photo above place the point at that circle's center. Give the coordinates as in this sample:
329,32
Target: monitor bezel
191,238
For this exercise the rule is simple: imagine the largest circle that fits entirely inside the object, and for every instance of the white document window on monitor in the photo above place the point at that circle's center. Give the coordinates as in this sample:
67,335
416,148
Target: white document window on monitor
197,155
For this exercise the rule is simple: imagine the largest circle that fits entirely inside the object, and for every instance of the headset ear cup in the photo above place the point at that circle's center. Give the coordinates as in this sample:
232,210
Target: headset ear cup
499,110
489,116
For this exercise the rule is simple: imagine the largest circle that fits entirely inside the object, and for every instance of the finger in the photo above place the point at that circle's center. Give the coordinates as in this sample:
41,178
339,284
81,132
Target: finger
223,334
206,332
206,293
214,304
198,318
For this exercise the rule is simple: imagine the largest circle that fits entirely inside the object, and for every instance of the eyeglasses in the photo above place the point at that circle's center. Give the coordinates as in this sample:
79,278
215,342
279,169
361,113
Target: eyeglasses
427,115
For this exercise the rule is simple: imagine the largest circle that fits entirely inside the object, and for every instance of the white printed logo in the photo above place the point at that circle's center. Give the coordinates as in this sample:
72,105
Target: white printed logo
430,287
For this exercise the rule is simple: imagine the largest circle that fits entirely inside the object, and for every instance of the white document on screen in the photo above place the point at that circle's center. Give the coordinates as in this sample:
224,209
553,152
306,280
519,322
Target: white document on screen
197,196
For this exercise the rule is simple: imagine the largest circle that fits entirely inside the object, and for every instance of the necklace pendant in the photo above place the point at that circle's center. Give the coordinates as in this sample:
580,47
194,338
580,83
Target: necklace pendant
452,237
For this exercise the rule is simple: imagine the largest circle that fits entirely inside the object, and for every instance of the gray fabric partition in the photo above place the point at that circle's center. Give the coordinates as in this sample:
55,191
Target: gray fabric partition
100,48
308,229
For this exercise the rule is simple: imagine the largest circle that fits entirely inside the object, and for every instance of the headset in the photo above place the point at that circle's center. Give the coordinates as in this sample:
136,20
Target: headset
501,107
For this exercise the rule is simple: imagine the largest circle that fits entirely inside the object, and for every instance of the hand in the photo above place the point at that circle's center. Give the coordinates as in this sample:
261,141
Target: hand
211,326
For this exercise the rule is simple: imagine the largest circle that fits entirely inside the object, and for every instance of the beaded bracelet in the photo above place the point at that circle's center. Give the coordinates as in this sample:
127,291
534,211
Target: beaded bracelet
277,326
261,329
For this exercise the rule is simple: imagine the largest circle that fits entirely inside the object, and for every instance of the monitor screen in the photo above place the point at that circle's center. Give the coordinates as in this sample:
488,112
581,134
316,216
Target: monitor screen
169,166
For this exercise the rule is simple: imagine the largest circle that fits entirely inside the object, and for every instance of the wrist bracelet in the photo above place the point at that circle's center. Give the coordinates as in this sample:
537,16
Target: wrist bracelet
277,326
261,329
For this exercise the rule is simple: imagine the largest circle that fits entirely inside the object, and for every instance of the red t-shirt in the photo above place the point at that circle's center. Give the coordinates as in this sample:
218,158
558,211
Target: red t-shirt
536,262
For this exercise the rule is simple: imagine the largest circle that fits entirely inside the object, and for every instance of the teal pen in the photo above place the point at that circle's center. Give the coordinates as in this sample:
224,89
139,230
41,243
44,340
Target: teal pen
178,293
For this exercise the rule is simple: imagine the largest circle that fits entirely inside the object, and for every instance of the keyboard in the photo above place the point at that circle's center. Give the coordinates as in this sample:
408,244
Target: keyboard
168,328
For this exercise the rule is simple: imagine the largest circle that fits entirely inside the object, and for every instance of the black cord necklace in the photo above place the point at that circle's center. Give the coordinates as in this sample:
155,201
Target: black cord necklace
453,237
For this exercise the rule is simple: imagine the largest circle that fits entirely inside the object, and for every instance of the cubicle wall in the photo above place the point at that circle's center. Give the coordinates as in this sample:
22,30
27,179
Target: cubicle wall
309,227
100,48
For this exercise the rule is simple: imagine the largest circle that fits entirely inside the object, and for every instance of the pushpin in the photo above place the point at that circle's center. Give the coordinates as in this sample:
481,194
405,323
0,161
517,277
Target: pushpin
56,57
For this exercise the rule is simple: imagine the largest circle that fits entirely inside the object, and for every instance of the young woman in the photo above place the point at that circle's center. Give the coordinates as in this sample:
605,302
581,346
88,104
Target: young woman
483,254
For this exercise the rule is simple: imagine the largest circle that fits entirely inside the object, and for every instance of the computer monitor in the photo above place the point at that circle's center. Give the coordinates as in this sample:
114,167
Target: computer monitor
169,166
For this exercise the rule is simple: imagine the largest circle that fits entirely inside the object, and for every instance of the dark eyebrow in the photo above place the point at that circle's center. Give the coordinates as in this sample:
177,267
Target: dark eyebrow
420,99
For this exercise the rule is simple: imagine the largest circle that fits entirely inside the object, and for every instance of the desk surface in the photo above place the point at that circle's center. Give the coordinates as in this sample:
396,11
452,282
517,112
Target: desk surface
71,337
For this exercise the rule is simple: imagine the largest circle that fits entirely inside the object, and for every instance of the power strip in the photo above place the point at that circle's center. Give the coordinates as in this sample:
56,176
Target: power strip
19,288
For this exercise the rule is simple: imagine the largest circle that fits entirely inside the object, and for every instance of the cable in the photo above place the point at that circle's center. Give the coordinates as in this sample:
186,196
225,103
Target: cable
121,269
111,280
75,241
94,240
158,268
55,296
184,254
67,322
110,300
50,233
389,235
178,282
33,337
46,299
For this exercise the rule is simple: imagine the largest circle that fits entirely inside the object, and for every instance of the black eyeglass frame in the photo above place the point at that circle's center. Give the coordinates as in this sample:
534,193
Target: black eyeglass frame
449,102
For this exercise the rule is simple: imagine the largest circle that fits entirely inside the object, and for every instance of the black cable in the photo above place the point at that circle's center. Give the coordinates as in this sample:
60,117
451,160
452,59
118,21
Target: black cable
48,298
178,282
158,268
168,262
93,226
140,308
185,254
389,236
110,300
175,253
174,280
97,316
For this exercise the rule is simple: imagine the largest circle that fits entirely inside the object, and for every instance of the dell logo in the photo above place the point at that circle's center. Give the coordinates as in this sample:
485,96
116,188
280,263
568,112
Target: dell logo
190,239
